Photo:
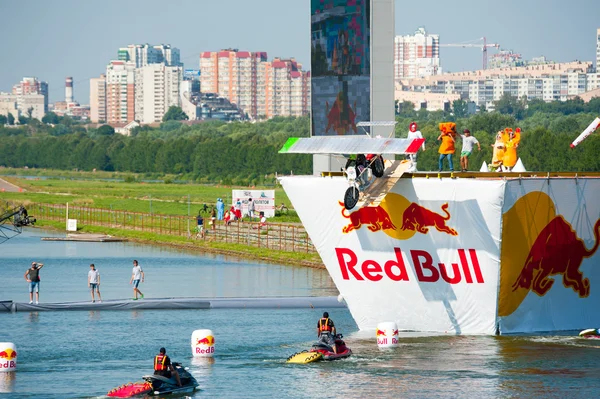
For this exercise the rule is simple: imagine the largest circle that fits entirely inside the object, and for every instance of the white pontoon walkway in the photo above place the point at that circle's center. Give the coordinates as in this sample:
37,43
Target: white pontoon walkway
178,304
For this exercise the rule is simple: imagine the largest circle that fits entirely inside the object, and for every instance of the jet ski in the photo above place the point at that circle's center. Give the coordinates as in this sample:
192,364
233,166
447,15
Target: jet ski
157,385
322,351
593,333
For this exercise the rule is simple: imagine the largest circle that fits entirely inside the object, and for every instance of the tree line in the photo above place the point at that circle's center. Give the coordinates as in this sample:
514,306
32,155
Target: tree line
247,153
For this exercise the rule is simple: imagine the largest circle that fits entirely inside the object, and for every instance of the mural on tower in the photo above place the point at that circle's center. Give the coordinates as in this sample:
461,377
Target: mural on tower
340,66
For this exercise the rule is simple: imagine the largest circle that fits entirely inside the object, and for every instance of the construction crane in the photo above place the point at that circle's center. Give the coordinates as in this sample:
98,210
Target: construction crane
483,46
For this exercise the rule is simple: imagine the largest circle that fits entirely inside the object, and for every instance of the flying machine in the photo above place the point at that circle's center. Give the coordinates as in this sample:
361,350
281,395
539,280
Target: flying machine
365,163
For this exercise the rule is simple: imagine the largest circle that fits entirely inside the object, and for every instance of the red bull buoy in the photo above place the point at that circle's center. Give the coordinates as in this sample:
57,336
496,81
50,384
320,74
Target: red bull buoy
8,357
203,343
387,334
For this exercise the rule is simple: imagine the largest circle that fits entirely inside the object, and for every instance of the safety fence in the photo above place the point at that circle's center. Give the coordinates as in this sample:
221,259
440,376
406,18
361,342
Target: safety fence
278,236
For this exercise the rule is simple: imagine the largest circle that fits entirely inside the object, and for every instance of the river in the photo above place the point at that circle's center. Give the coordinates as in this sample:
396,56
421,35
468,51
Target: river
76,354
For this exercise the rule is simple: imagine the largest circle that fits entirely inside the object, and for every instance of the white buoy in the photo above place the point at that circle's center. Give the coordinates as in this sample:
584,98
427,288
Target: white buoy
340,298
203,343
8,357
484,167
519,167
387,334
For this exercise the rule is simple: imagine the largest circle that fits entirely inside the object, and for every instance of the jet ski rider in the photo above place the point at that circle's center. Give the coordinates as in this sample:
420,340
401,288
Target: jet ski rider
163,366
326,331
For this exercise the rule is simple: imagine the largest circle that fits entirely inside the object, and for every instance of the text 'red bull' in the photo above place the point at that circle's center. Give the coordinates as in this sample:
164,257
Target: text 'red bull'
395,269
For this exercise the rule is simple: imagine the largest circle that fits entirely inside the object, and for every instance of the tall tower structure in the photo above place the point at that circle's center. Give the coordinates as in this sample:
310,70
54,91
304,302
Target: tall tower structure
69,90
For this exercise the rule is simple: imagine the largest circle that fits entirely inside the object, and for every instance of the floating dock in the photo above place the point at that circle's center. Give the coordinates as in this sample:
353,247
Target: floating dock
86,238
178,304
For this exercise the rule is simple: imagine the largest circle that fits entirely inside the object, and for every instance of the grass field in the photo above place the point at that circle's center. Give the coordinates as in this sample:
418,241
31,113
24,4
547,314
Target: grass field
161,198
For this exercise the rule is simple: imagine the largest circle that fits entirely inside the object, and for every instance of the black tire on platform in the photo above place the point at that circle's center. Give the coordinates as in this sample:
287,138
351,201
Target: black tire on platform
377,166
351,197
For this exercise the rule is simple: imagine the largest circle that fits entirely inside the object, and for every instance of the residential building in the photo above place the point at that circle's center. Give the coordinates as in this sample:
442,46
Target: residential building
120,92
505,59
598,50
552,82
258,87
428,101
416,55
32,97
156,89
144,54
8,105
98,99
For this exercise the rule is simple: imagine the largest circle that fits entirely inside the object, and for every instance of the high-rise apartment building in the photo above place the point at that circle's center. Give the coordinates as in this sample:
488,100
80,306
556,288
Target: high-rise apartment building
32,97
233,75
120,92
145,54
156,89
258,87
98,99
598,51
416,56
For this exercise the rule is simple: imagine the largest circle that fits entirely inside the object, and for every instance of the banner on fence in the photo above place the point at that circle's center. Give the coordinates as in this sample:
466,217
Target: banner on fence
71,224
264,201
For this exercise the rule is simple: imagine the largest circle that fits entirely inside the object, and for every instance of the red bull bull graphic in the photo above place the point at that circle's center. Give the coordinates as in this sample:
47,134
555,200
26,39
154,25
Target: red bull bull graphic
423,266
395,210
205,345
557,251
208,340
8,359
379,333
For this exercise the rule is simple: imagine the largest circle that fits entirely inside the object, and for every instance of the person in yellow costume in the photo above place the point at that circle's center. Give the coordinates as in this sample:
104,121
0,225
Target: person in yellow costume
498,152
446,150
510,154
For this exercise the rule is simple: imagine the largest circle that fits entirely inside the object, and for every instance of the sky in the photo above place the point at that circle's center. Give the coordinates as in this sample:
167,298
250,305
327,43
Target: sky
55,39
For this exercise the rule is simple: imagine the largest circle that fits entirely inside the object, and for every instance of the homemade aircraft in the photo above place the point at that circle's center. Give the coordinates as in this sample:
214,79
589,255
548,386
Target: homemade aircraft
365,160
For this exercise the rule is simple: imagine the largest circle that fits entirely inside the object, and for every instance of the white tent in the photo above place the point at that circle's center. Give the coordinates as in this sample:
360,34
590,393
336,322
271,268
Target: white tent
484,167
519,167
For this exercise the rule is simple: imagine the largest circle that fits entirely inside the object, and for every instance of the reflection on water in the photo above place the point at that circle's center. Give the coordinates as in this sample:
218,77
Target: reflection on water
7,381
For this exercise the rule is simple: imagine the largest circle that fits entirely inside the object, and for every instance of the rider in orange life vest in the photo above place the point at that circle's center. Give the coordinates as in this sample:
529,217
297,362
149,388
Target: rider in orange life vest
163,366
326,331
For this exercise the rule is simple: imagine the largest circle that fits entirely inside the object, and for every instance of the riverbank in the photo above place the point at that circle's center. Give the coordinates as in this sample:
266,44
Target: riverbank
311,260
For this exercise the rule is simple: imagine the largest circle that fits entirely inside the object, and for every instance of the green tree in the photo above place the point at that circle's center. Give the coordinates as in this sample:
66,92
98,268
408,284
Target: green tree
405,109
51,118
3,120
174,113
22,120
459,107
105,130
11,119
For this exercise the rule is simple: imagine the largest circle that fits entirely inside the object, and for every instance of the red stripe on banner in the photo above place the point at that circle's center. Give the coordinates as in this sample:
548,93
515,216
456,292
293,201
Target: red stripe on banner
414,146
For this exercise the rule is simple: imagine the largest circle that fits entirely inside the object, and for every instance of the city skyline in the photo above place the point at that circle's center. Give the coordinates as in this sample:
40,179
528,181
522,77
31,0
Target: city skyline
79,39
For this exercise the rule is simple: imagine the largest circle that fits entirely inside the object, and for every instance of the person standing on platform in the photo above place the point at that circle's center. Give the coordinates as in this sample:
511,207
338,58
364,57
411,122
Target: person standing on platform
467,148
446,150
414,133
137,275
94,282
32,276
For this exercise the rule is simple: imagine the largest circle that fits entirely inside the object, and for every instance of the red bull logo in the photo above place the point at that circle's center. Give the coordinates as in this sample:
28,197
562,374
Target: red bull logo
541,249
423,266
379,333
8,356
209,340
557,251
395,210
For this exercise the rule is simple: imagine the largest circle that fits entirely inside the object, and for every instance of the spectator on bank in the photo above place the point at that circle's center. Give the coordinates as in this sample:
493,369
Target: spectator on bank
250,208
220,209
213,218
200,226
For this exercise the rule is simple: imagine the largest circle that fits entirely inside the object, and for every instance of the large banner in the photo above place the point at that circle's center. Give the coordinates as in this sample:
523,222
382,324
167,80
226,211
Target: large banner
264,201
426,258
340,66
550,277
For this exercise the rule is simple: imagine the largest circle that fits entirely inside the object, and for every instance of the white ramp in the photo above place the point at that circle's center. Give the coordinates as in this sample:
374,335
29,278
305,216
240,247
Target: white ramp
519,167
484,167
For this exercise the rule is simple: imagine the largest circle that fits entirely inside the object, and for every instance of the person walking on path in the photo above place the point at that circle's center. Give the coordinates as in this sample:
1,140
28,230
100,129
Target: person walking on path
137,274
94,282
32,276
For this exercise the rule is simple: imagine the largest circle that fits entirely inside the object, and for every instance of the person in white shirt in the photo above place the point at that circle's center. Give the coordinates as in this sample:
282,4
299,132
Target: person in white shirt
467,148
94,282
137,274
414,133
